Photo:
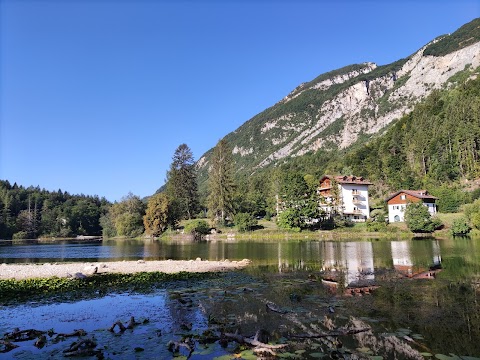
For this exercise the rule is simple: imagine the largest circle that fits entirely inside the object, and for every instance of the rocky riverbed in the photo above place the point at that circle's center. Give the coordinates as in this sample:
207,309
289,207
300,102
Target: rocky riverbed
47,270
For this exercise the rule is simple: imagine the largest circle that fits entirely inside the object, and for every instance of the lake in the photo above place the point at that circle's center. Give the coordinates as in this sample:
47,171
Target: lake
409,316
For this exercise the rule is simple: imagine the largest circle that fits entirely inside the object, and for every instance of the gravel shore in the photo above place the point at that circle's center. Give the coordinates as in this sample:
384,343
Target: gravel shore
29,271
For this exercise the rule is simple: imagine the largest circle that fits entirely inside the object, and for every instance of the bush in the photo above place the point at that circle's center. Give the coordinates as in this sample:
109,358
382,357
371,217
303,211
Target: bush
419,220
460,227
289,219
375,226
245,222
20,235
197,228
471,209
378,215
475,219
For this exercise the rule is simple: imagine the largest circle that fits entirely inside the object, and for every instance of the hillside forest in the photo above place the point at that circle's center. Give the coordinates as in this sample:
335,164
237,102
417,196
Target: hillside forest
435,147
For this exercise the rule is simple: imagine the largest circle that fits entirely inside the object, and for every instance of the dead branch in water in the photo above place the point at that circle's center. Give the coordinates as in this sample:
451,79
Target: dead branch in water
23,335
273,308
253,342
7,346
331,333
77,332
85,347
131,324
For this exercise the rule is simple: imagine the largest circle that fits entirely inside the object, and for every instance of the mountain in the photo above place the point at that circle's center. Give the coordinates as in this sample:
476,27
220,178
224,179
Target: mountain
350,105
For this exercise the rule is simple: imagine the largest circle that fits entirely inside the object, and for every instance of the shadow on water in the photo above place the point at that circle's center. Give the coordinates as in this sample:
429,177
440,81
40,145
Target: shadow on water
425,301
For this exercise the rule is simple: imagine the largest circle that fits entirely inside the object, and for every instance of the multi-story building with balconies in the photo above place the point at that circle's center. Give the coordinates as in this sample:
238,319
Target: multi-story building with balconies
345,195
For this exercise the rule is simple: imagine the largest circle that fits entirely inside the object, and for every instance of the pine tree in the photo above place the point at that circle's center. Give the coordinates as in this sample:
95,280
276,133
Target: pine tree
182,183
221,183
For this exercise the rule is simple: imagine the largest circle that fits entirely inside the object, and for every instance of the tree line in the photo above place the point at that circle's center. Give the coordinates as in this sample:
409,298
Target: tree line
32,212
435,147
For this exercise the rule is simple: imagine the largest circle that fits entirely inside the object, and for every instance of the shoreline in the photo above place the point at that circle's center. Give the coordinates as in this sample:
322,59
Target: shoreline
83,269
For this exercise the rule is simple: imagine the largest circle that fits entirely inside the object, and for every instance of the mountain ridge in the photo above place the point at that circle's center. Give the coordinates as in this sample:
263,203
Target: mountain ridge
338,108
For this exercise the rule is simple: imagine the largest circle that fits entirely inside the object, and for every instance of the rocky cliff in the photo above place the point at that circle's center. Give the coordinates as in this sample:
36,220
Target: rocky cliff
339,108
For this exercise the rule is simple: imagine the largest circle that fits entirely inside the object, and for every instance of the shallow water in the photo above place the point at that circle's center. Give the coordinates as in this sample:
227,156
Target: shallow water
409,318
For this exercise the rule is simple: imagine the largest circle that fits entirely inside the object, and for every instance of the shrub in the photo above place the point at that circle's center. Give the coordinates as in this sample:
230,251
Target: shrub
460,227
471,209
197,228
475,219
375,226
20,235
289,219
418,219
245,222
378,215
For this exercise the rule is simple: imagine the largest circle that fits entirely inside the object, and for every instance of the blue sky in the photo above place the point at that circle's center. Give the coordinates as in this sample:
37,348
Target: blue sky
95,96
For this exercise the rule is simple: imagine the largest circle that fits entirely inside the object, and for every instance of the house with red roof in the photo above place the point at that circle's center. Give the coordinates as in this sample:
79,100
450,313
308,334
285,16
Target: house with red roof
397,203
345,195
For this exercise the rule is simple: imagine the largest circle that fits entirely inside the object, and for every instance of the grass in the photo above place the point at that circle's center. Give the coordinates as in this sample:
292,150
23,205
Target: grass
269,230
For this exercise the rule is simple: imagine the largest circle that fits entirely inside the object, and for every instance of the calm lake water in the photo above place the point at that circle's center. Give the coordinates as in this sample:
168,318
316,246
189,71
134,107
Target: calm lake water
409,318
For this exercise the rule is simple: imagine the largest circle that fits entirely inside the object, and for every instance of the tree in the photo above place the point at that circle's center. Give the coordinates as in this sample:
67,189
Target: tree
221,183
245,222
182,183
127,216
155,219
290,219
418,218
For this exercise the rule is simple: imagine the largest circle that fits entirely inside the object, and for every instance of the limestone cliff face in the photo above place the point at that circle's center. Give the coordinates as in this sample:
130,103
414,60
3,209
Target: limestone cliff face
334,110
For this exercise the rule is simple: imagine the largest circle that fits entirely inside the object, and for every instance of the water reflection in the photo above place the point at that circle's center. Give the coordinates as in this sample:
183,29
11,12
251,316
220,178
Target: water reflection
356,261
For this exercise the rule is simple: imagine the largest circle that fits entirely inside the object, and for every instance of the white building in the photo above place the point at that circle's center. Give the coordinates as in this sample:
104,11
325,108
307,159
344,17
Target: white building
350,199
397,203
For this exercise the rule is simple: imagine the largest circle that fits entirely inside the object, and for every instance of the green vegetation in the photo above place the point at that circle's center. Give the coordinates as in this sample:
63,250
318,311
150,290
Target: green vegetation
419,220
39,288
197,228
156,218
467,35
33,212
124,218
181,186
221,183
435,147
245,222
460,227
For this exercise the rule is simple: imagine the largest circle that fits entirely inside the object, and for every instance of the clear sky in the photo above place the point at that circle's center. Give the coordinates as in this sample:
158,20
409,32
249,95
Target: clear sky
95,96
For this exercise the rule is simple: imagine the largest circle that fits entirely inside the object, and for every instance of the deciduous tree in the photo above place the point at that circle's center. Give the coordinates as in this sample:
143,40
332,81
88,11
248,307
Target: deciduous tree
156,215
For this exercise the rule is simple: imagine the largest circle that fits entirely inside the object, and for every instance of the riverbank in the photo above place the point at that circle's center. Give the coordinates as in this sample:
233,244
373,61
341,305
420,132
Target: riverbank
76,270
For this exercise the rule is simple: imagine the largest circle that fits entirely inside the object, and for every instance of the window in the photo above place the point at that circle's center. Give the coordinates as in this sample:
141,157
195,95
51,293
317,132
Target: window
403,197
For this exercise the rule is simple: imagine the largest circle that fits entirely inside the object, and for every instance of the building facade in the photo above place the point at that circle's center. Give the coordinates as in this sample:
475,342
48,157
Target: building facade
345,195
397,203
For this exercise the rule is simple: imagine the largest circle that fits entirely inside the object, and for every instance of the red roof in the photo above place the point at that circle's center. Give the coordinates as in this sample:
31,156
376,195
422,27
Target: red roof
359,180
419,194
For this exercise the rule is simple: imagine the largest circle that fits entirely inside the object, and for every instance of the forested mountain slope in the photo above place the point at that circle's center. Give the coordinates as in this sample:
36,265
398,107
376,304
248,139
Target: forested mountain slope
350,105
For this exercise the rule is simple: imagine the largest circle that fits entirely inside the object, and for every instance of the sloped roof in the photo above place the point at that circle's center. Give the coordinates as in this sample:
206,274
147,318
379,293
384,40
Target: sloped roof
419,194
359,180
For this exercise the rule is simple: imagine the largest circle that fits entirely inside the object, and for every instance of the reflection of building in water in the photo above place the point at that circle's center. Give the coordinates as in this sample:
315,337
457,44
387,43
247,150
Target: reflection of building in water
401,256
359,261
437,257
297,258
353,259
